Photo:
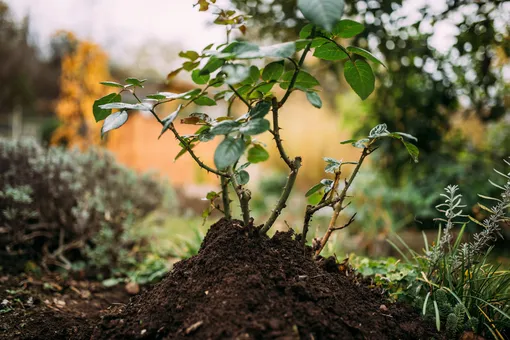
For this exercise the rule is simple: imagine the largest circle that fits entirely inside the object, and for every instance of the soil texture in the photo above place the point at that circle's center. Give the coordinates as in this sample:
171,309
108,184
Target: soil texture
53,308
243,285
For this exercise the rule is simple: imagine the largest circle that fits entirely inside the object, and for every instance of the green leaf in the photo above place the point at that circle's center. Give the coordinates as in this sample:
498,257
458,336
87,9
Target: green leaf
329,51
360,77
212,195
136,82
365,54
265,87
189,65
284,50
245,50
99,113
273,71
361,144
253,77
167,121
156,96
317,42
304,80
257,154
225,127
184,150
228,152
114,121
314,99
332,165
347,28
378,131
406,135
244,166
412,150
125,106
242,177
254,127
328,183
260,110
314,189
323,13
206,136
204,101
199,78
301,44
306,31
236,73
186,95
192,55
212,65
111,84
349,141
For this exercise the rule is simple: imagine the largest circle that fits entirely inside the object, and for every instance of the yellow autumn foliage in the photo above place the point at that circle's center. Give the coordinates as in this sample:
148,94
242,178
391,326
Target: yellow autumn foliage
82,69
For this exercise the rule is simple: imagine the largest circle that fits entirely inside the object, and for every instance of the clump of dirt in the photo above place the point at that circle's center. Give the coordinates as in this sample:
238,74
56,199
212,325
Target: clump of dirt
243,285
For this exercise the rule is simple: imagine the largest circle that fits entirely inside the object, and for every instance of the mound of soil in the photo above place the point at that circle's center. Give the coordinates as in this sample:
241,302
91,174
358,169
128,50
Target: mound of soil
247,286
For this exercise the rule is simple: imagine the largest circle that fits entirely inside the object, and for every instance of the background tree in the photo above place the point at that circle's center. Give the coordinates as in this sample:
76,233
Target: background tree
84,65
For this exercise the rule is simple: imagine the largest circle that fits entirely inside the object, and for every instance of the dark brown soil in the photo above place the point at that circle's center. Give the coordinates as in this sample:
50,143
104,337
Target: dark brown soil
53,308
245,286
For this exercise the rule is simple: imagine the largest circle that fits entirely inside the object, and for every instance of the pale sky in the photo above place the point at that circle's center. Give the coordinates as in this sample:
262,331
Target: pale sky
121,27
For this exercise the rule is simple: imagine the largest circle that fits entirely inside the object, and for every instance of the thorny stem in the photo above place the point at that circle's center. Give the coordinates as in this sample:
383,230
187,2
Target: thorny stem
276,134
184,142
244,196
296,71
293,165
338,206
282,201
224,181
225,198
240,97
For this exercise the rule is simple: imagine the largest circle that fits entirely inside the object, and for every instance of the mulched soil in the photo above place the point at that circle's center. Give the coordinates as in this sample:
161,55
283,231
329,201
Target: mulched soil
245,286
51,307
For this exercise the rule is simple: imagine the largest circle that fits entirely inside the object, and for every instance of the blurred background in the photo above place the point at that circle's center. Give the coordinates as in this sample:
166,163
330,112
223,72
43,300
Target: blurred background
447,83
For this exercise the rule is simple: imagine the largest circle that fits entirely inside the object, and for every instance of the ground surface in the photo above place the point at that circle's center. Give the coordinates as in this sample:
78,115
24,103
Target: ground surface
53,308
245,286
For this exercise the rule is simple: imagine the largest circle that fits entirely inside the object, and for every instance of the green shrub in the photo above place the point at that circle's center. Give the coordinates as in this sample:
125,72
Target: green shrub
459,288
59,206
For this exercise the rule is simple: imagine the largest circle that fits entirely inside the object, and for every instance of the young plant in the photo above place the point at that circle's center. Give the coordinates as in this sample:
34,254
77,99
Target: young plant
224,73
458,287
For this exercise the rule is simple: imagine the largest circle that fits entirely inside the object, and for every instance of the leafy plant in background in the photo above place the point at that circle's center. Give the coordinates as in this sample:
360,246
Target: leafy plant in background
225,71
61,208
458,286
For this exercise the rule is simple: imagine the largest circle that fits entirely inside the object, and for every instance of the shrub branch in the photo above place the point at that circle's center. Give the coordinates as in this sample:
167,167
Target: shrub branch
338,204
282,201
184,142
244,196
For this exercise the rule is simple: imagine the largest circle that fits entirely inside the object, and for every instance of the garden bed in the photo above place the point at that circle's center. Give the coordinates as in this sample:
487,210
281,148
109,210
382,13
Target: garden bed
51,307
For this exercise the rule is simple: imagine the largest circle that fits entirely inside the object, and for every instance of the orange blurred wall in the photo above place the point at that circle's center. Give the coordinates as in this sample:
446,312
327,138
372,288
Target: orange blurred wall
137,146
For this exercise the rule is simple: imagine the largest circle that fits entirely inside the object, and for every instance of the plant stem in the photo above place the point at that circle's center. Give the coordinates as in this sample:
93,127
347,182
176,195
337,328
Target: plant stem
244,196
225,198
239,96
276,134
183,142
282,201
296,71
338,206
